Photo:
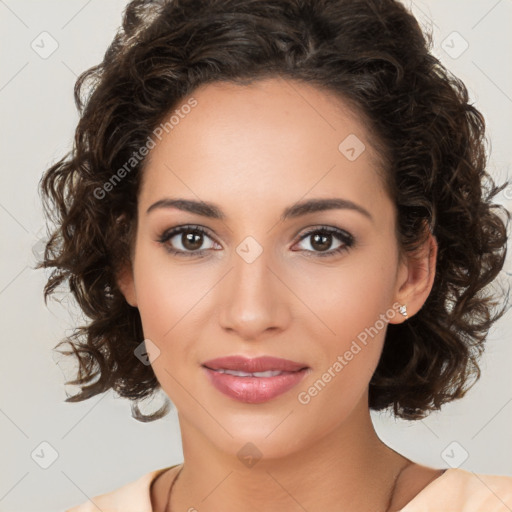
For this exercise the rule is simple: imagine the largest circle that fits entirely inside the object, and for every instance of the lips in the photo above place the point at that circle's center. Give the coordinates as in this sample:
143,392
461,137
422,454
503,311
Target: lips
257,364
254,380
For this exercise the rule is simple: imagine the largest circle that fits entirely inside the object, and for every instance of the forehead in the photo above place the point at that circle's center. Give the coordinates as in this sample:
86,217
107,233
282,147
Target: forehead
268,140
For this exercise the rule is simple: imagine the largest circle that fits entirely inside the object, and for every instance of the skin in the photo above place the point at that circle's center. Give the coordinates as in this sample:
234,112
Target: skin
254,150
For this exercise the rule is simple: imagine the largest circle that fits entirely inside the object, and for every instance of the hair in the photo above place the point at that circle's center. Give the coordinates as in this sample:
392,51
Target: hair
373,55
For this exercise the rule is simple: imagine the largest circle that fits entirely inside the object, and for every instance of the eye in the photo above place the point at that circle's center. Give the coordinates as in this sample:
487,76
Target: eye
323,237
185,240
189,241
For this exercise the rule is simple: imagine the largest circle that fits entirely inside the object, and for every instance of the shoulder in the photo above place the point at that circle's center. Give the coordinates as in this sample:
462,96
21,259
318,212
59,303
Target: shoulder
133,496
458,489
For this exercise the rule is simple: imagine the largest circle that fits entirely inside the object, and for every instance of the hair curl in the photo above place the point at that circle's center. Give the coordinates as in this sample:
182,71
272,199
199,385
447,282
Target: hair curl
375,57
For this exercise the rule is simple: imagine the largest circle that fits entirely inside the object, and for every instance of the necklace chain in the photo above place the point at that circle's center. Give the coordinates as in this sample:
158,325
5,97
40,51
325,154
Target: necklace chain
167,509
392,493
167,505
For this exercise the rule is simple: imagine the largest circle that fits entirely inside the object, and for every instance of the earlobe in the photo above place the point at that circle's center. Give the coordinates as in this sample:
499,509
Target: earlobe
420,270
126,284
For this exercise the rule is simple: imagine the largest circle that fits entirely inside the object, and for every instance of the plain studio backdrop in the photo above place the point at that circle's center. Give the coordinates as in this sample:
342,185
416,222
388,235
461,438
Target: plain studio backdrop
55,454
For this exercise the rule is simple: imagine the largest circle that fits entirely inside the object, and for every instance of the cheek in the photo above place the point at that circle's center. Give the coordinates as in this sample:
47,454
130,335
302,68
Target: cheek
347,362
162,291
355,306
349,298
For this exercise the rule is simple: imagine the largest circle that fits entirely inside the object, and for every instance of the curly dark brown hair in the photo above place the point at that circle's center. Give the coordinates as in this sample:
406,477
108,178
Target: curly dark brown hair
376,58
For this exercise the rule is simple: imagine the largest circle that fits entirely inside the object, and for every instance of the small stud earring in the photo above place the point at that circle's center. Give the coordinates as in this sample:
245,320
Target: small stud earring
403,310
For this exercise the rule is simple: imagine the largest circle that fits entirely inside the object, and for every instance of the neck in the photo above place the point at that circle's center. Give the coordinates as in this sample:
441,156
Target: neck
349,468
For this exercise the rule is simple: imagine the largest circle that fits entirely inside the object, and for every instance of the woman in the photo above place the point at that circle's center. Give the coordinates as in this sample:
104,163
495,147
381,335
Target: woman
279,213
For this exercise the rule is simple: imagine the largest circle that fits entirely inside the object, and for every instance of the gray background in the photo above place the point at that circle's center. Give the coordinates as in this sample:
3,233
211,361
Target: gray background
97,445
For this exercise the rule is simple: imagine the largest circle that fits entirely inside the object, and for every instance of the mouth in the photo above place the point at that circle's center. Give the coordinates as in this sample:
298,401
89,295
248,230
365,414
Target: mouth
254,365
267,373
255,380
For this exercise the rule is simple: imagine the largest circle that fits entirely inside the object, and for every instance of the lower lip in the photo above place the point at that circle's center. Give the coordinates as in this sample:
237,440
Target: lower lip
254,390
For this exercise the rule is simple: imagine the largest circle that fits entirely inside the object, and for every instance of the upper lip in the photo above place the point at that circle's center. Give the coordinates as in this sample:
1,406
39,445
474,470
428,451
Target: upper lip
257,364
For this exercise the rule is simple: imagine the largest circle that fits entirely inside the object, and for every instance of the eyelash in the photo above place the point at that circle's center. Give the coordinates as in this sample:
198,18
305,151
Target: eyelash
346,238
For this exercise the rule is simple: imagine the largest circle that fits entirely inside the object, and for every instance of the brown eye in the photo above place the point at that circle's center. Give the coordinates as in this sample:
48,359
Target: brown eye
186,241
321,240
192,241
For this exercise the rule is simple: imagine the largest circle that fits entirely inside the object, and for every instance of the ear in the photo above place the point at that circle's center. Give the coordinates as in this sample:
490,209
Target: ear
126,284
416,278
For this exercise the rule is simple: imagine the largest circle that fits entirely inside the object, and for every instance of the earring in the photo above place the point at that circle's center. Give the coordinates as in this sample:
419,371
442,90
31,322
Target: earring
403,310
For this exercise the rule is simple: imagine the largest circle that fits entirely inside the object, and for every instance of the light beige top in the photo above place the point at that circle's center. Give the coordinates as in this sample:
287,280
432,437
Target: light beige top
456,490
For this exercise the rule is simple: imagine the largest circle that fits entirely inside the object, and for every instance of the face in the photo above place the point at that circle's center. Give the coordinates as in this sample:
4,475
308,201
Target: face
314,287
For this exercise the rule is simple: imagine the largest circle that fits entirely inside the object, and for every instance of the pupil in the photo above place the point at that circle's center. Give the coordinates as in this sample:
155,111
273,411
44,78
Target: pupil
326,241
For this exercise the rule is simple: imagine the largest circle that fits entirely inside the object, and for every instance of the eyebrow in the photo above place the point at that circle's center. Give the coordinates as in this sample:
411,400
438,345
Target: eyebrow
211,210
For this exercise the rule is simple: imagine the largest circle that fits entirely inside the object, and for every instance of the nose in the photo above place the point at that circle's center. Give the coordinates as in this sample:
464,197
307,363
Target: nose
255,301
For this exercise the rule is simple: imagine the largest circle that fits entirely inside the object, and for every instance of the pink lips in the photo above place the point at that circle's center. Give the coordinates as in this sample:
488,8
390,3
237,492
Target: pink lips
254,389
